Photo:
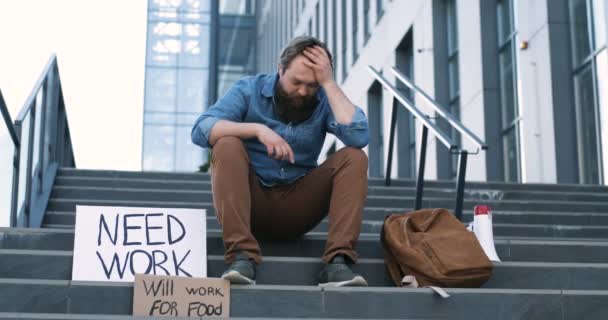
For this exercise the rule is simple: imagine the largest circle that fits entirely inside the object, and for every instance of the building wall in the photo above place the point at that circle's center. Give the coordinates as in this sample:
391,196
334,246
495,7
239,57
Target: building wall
543,75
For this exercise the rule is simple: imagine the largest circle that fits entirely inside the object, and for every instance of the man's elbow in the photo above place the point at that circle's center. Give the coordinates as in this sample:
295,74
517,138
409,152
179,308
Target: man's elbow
359,141
198,138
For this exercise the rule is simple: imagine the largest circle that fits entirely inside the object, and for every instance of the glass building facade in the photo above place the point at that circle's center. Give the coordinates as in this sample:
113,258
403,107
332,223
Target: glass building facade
176,82
196,49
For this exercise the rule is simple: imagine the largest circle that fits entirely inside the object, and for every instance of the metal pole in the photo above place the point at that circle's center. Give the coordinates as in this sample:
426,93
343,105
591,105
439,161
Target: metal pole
28,168
421,165
462,171
389,162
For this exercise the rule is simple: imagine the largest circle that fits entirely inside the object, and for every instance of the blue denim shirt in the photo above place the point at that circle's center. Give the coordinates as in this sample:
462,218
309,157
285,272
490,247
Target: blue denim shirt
250,100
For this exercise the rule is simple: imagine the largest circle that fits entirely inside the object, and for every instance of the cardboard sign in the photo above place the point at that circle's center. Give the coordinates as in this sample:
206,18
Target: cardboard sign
181,297
115,243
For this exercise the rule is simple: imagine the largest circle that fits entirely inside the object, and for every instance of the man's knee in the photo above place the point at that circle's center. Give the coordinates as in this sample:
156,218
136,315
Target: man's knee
227,145
355,156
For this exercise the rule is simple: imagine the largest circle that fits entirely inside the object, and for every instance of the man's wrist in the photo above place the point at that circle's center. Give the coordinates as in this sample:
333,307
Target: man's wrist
328,83
257,129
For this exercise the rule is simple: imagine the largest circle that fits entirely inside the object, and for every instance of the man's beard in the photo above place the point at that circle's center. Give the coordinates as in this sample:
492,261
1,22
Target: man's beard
295,108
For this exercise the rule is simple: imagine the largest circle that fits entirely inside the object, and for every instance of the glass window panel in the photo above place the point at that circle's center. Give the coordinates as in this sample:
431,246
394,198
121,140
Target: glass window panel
226,80
587,128
159,118
579,29
599,23
188,155
163,4
195,46
163,43
235,7
602,89
196,5
507,89
511,154
163,15
192,90
195,17
453,77
181,5
159,148
187,119
504,20
160,89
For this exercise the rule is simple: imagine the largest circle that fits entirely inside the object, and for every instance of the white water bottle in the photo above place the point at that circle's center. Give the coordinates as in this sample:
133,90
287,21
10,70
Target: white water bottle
482,227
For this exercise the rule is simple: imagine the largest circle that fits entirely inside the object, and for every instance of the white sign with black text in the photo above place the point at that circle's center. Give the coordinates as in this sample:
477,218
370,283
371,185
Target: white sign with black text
115,243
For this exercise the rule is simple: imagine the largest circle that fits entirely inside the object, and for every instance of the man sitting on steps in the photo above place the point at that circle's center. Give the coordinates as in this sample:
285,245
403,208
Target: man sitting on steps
266,133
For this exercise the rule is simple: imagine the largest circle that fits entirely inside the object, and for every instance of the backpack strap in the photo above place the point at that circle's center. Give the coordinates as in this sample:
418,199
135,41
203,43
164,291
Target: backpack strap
410,281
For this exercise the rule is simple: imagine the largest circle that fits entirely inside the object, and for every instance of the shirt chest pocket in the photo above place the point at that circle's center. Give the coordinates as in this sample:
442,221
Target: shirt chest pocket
305,136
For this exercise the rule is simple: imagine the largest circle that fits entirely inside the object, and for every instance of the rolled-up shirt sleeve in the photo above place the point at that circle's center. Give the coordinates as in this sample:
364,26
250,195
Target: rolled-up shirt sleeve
232,107
354,134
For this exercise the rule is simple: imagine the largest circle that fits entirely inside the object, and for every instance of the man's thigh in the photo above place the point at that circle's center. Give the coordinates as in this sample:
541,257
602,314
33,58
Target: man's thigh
292,210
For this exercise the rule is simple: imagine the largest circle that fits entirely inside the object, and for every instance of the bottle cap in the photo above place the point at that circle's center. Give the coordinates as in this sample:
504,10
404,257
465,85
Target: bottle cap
482,209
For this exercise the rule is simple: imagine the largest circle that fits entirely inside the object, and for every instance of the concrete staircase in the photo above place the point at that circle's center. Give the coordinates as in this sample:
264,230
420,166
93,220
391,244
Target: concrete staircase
553,240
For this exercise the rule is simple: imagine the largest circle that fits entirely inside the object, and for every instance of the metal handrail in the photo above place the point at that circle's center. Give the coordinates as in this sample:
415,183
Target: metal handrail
441,111
7,120
44,114
437,132
440,134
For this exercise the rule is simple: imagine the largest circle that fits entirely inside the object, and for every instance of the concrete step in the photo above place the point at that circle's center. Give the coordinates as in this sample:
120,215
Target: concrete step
65,184
266,301
378,214
445,184
313,244
65,316
297,271
127,198
73,172
375,226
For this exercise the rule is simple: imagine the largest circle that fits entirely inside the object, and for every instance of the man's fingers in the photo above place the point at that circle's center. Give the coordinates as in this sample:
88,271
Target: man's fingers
268,148
292,157
309,64
277,151
311,56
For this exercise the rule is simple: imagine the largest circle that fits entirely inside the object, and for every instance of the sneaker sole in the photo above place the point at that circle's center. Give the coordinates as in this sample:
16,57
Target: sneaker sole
237,278
357,281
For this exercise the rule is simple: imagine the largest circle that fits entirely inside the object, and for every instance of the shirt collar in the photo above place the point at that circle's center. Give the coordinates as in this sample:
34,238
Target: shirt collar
269,83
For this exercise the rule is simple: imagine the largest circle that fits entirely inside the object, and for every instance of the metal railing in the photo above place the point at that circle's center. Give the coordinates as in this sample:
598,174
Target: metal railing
428,125
41,137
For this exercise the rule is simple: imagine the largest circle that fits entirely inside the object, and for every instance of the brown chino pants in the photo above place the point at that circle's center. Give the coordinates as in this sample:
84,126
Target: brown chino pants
246,209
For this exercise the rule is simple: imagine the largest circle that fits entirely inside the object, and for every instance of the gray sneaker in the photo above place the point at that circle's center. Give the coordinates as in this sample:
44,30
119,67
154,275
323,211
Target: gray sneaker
338,274
241,271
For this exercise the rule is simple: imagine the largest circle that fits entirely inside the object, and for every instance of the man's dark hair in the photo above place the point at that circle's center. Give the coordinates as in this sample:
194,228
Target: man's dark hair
297,45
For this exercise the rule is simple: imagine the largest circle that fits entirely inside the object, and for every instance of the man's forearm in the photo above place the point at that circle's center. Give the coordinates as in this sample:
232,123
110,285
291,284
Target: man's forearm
224,128
340,105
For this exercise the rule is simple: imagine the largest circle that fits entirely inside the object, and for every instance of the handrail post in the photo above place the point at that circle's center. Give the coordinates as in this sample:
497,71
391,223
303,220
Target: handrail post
389,161
27,198
421,167
462,171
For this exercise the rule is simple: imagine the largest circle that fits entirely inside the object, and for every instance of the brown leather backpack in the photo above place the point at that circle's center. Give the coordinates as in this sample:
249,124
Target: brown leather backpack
435,248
